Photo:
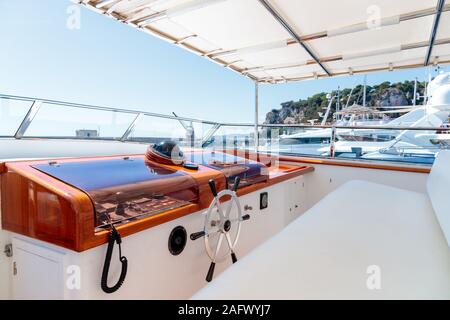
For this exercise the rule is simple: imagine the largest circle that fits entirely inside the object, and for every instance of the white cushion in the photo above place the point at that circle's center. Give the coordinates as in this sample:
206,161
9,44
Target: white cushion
438,186
326,253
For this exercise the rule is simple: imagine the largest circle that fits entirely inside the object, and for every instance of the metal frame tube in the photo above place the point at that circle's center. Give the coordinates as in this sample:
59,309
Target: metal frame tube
28,119
323,34
293,34
437,19
36,104
131,127
256,115
101,108
210,133
327,113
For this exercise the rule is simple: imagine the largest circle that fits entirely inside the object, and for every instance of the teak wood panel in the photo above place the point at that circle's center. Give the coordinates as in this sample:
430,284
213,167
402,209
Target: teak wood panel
49,214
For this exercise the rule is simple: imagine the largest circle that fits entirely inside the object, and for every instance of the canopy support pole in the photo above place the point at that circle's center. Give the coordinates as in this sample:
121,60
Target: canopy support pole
256,115
293,34
437,18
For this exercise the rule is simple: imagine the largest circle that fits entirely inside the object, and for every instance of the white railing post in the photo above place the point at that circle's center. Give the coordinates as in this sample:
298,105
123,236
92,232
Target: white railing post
131,127
28,119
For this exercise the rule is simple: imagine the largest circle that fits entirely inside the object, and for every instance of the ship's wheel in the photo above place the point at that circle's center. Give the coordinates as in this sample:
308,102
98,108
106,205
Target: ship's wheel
222,226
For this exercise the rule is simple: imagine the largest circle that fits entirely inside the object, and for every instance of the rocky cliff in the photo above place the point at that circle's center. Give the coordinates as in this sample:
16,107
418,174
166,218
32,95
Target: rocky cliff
378,96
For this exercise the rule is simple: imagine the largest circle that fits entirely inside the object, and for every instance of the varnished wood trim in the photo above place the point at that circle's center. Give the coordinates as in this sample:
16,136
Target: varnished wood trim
282,159
280,176
356,164
130,228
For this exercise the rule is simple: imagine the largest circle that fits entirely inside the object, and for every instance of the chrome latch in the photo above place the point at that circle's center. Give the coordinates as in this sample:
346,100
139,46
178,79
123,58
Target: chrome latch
8,250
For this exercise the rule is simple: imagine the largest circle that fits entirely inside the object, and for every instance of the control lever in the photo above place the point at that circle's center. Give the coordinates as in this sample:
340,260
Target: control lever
210,273
212,186
197,235
237,180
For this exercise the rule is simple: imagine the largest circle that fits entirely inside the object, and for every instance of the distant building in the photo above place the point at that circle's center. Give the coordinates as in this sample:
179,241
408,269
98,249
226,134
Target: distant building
83,133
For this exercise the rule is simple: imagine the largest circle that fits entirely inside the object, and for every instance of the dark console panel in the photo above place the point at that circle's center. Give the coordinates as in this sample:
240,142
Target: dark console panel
126,189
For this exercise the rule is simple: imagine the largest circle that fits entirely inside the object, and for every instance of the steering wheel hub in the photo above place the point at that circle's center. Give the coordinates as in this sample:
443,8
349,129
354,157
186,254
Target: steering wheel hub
227,226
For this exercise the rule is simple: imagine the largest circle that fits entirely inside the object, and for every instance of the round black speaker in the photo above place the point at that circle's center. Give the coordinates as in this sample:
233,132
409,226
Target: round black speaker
177,240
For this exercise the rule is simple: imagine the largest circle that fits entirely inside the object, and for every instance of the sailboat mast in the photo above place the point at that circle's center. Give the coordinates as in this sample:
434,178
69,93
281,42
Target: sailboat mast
425,99
364,91
338,102
415,92
349,97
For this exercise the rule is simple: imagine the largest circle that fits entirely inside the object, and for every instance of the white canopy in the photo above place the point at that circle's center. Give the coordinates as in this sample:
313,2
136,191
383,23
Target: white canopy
289,40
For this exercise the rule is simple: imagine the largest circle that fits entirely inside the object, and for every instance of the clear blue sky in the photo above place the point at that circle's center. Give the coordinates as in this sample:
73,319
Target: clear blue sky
111,64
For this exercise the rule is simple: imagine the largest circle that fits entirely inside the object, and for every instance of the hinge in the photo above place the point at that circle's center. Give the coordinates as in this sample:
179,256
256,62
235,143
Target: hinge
8,250
14,268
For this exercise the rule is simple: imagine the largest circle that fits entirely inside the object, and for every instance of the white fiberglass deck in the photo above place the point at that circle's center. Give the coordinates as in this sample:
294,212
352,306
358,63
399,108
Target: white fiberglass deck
362,241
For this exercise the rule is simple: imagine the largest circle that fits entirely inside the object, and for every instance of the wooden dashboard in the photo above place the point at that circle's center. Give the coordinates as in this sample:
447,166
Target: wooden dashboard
42,205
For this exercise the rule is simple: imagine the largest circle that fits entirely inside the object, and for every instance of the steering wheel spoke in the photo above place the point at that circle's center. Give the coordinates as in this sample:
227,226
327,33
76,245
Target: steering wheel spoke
220,210
230,245
212,232
234,221
219,244
228,210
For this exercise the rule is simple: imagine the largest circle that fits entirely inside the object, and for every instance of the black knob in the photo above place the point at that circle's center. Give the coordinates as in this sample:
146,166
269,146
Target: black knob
196,235
245,217
233,257
210,274
236,183
212,186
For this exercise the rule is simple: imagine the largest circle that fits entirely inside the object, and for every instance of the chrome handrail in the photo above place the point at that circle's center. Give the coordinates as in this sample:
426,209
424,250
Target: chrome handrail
101,108
37,102
377,127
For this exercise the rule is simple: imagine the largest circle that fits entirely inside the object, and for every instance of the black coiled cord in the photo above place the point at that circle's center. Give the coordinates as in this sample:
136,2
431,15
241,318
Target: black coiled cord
113,236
